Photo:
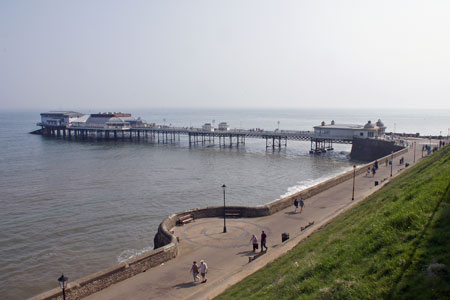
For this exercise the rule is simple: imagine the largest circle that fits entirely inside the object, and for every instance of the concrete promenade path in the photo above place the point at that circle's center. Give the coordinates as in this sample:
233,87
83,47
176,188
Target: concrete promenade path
227,254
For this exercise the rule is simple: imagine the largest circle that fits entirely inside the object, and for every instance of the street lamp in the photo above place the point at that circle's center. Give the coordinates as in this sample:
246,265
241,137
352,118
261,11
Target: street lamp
278,125
354,174
392,161
414,151
224,187
63,284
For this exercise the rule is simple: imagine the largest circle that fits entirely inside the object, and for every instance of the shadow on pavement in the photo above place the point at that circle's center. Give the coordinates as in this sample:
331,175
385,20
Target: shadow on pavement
246,253
185,285
291,213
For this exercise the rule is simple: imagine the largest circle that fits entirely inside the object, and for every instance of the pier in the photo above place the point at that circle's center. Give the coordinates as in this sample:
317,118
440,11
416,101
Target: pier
196,136
118,125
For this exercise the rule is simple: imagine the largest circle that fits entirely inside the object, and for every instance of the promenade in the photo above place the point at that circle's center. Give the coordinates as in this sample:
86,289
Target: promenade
227,254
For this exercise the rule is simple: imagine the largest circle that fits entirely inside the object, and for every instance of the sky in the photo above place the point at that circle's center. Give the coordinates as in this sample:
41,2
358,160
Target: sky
110,55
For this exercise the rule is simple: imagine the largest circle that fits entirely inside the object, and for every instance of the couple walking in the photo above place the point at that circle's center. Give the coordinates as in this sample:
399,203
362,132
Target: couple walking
297,203
254,241
203,269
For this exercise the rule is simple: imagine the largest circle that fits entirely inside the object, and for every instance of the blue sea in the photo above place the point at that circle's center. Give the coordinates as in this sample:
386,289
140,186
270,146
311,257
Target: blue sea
81,206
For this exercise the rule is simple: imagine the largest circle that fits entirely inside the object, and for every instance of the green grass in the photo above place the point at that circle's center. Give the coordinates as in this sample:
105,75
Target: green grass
394,245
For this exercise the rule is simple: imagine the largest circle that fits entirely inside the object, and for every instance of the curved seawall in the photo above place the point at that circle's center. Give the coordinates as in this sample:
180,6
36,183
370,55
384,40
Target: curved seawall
166,243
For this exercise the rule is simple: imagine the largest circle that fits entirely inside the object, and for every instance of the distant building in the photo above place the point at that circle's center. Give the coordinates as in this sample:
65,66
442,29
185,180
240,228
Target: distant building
348,131
223,126
59,118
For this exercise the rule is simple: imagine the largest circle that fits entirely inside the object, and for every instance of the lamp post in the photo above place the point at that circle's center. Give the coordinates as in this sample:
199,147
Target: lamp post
224,214
392,161
63,284
278,125
414,151
354,174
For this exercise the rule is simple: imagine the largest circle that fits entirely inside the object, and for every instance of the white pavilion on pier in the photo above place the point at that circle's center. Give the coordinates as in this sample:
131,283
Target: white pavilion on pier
334,130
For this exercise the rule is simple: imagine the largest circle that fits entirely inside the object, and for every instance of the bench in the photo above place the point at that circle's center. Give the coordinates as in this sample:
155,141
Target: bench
185,219
252,258
232,213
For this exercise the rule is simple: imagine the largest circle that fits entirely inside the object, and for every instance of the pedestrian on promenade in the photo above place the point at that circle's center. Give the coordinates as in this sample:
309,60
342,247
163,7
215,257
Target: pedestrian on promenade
301,205
376,164
203,270
263,240
373,171
195,271
296,204
368,171
254,242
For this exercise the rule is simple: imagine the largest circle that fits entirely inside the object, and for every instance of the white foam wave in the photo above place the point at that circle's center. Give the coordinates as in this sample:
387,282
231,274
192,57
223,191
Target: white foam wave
303,185
131,253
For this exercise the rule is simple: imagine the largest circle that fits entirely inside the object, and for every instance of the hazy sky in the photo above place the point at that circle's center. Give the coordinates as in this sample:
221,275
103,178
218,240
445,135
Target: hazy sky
141,54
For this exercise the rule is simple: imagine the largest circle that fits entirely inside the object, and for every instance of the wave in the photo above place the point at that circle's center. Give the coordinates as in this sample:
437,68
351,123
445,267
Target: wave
305,184
132,253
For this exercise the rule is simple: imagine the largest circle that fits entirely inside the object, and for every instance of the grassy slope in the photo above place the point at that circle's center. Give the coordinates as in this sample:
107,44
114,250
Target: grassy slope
394,245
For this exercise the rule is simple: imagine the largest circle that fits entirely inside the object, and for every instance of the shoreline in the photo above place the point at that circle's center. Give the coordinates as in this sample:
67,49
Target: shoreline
287,194
168,242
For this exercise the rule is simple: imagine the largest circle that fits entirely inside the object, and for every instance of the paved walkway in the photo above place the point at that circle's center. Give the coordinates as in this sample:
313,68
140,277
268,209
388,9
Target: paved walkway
227,253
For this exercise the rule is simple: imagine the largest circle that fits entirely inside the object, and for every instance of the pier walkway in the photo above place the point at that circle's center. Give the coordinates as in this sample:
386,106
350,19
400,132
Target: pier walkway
274,139
227,254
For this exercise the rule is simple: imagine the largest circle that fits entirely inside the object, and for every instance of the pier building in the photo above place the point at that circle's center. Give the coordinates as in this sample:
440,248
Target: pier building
208,127
223,126
59,118
333,130
110,120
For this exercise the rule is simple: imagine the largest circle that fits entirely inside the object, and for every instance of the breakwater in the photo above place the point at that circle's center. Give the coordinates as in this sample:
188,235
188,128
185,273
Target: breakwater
168,245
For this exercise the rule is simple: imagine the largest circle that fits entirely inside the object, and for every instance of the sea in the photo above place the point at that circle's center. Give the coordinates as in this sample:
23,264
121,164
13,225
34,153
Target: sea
77,207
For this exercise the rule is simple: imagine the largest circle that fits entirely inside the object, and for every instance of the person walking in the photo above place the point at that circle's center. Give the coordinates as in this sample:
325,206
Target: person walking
195,271
302,204
203,270
296,204
263,240
254,242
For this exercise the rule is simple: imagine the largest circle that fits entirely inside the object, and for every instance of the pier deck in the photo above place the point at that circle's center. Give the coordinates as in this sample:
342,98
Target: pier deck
274,139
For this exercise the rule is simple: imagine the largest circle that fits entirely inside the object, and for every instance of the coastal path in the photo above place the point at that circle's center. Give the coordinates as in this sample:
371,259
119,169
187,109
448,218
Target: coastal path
227,254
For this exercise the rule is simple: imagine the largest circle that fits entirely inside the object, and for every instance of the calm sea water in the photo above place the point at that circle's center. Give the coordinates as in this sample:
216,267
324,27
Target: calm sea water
79,207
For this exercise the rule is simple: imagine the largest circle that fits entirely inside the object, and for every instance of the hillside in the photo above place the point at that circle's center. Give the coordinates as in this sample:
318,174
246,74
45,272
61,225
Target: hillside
393,245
